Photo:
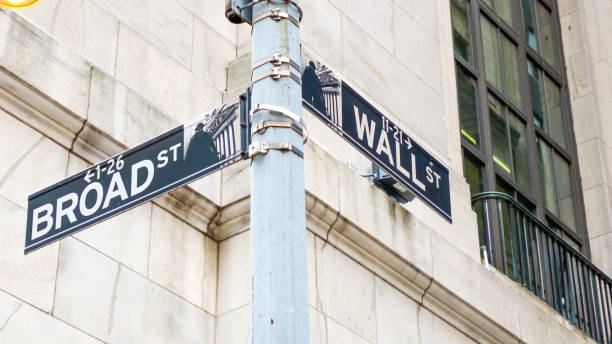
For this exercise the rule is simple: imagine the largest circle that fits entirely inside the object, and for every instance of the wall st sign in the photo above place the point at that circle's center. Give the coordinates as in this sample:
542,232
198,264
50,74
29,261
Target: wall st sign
351,116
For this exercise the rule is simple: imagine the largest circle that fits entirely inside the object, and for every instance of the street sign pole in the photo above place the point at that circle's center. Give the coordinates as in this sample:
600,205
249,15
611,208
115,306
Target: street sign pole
279,294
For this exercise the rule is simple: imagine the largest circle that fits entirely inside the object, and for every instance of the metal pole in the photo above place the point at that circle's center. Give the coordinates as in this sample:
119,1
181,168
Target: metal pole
279,290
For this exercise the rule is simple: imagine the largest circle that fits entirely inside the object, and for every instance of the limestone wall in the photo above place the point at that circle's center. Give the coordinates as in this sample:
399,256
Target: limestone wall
586,31
176,270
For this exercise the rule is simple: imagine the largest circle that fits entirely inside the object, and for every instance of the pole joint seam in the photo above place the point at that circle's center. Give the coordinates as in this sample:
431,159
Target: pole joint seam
262,147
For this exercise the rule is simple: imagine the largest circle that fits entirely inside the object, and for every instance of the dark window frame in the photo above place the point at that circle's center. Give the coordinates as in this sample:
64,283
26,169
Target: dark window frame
492,173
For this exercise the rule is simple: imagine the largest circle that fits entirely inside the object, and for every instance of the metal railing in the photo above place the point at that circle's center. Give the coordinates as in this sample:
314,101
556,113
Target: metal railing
533,255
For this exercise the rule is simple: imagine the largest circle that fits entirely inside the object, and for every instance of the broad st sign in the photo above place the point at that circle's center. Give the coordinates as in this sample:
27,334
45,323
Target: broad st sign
382,141
140,174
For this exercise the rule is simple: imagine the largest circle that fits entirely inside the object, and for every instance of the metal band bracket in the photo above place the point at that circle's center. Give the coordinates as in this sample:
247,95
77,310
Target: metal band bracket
277,60
277,14
260,147
279,110
262,126
276,73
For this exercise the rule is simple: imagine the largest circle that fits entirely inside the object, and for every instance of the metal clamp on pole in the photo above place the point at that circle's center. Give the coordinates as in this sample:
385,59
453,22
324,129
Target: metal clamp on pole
260,147
276,73
277,60
262,126
282,111
277,14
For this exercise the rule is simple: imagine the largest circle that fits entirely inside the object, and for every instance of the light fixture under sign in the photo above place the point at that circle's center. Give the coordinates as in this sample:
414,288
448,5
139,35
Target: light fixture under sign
393,188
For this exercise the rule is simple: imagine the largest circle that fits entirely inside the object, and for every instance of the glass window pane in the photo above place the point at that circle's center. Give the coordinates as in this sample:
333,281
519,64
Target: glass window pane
548,113
462,37
473,174
499,135
518,144
531,30
554,110
490,48
511,73
565,194
537,95
548,43
547,180
468,109
503,8
472,171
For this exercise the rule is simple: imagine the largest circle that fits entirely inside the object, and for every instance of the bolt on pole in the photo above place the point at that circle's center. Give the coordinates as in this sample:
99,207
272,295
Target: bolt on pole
279,288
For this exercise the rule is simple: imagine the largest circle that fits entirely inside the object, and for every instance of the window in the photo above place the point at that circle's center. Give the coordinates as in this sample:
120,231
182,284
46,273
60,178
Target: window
468,107
515,124
462,36
503,8
509,142
501,65
546,100
540,30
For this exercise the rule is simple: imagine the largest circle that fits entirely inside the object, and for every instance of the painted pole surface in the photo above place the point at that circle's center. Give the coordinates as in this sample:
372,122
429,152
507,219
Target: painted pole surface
279,288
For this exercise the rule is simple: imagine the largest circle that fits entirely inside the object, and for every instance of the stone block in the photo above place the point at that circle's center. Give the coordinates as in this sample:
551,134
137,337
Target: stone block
321,174
234,273
30,278
312,269
146,313
35,57
209,283
572,32
601,247
423,12
213,14
124,237
471,282
597,207
176,256
234,327
318,327
160,79
209,186
26,324
435,330
28,138
383,218
212,54
579,75
41,165
593,166
375,20
346,293
585,117
86,282
122,113
424,61
338,334
321,31
235,182
379,76
166,25
396,315
82,25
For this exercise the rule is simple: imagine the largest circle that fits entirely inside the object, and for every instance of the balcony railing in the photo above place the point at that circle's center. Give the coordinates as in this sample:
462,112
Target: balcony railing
533,255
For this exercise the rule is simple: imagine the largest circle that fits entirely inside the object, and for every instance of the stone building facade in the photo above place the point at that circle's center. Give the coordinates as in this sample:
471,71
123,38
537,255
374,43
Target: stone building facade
82,80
